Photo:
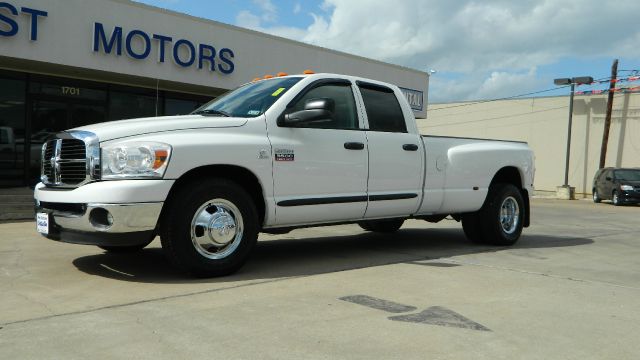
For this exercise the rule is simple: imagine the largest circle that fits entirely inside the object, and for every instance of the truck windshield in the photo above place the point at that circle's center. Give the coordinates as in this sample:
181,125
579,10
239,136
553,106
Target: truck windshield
249,100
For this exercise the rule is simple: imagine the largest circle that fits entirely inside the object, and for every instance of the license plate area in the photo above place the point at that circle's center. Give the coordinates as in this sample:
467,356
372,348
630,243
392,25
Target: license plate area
43,221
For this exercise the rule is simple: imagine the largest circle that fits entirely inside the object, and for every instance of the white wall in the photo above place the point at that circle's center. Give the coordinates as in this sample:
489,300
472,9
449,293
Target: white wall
542,122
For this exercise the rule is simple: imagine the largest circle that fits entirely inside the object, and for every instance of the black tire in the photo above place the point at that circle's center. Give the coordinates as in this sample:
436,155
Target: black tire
382,226
615,198
492,228
194,248
471,227
125,249
596,196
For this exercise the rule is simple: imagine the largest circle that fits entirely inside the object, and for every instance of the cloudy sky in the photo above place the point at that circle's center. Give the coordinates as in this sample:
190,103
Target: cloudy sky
479,49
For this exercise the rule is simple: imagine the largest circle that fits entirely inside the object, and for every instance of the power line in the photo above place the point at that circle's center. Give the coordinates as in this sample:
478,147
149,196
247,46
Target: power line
508,97
511,115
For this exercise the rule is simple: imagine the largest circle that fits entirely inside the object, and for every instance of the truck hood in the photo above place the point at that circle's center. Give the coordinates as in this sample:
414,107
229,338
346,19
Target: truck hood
124,128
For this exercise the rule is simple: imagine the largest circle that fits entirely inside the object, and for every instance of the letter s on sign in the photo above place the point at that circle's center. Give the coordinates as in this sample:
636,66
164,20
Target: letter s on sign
12,24
229,68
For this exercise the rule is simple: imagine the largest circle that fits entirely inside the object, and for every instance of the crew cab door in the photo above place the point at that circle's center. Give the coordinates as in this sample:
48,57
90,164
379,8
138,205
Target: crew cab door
396,156
320,168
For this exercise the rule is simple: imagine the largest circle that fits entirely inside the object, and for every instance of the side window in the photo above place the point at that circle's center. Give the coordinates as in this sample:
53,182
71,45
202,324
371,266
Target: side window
383,110
344,117
608,174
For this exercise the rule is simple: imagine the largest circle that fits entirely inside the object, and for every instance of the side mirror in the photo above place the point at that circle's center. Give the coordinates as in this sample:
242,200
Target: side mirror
315,111
608,178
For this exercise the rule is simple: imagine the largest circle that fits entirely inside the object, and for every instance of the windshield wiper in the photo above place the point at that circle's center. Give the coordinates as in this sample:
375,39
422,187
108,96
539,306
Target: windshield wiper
212,112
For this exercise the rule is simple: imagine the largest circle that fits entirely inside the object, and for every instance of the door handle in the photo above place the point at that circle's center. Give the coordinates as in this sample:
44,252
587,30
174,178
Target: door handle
410,147
353,145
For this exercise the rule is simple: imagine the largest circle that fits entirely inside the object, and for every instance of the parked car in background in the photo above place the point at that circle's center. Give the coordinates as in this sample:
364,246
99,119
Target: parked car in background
620,185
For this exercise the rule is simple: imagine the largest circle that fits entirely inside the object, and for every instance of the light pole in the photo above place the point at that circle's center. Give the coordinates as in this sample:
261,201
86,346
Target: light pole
565,191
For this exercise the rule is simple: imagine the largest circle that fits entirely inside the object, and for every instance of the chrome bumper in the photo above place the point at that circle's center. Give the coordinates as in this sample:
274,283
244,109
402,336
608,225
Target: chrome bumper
102,224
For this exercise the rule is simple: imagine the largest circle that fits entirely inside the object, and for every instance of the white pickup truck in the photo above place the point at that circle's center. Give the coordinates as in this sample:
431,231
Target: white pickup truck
271,156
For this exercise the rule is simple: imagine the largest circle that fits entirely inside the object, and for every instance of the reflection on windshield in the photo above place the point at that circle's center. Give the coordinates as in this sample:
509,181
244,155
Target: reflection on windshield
250,100
628,175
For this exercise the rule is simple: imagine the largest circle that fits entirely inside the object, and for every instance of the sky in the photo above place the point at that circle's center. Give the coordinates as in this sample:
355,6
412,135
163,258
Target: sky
479,49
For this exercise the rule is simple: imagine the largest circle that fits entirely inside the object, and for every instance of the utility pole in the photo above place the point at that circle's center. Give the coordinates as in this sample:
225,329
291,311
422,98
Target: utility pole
607,119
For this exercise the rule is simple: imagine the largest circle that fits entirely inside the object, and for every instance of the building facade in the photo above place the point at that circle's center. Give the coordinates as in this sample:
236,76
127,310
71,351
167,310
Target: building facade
542,122
68,63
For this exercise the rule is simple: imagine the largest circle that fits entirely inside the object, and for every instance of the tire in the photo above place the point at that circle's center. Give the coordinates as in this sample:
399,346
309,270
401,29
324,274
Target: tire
471,227
596,196
209,228
615,198
125,249
502,215
382,226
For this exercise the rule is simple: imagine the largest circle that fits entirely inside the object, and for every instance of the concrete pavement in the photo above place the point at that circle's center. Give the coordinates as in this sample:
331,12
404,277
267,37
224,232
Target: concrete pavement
568,290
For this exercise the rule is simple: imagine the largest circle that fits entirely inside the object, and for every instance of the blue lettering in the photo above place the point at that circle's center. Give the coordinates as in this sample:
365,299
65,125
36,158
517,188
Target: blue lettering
176,53
161,40
230,67
13,26
147,44
211,56
34,20
99,36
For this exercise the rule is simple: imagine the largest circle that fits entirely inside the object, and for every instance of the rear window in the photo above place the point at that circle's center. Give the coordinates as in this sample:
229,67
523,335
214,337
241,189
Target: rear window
383,109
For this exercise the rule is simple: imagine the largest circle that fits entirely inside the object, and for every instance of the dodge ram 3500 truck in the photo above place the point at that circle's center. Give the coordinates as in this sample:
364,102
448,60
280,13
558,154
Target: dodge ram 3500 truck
270,156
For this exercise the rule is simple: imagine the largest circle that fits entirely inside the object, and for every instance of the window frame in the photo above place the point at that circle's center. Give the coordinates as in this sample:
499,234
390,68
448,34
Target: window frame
314,85
385,89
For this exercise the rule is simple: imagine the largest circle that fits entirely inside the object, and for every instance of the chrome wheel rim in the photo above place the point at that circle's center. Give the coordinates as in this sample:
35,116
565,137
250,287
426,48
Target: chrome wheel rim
509,215
595,195
615,197
216,229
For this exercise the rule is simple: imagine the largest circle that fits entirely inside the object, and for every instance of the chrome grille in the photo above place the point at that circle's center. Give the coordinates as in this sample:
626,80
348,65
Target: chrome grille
70,159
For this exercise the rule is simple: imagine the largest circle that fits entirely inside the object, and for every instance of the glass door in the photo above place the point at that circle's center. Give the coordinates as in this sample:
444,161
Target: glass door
47,119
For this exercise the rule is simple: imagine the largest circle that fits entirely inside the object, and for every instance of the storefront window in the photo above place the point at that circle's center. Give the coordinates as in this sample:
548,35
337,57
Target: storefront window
180,106
12,131
126,105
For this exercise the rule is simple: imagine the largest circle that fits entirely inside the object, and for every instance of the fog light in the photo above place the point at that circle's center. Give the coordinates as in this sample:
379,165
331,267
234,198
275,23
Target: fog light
101,219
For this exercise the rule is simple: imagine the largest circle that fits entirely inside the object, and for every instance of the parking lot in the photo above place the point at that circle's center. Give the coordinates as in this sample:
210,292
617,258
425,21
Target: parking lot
568,290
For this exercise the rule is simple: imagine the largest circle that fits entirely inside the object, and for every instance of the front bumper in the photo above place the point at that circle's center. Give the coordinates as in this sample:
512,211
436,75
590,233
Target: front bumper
101,224
629,196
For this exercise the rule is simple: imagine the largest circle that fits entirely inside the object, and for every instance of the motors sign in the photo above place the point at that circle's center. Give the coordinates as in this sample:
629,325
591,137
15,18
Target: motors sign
135,43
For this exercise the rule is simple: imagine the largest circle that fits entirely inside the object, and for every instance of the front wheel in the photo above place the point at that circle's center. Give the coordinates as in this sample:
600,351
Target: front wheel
210,228
615,198
596,196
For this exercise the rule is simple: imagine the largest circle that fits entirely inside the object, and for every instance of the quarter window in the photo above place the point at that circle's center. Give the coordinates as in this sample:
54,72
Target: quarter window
383,110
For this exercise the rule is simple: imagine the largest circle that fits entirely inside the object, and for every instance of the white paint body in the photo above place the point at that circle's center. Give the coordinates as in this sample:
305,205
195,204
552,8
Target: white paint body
448,175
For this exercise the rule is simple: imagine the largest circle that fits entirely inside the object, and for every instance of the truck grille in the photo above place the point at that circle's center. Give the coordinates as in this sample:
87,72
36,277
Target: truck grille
70,160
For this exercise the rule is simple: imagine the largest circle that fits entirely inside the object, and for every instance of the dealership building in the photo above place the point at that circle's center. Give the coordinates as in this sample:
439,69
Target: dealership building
68,63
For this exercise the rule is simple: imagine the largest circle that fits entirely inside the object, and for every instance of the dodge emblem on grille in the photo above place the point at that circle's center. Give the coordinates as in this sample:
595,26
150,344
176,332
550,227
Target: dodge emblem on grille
55,162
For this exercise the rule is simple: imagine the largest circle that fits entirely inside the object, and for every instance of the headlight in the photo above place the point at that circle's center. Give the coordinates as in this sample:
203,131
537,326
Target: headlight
135,160
626,187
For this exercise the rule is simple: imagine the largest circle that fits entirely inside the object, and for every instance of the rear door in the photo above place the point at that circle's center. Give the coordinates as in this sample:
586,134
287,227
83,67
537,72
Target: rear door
607,184
395,155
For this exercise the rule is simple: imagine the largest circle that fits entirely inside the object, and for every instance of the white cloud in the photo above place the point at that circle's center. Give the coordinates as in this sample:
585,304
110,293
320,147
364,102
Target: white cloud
297,8
247,19
496,43
267,14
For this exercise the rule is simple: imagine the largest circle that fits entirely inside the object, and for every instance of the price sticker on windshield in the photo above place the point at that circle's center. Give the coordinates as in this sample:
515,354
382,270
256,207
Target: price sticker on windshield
277,92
